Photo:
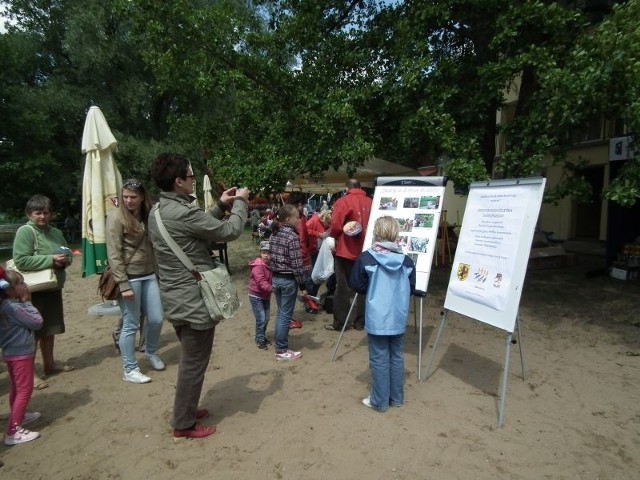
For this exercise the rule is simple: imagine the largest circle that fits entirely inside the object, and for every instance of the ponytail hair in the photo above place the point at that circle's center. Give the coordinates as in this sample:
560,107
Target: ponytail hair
286,212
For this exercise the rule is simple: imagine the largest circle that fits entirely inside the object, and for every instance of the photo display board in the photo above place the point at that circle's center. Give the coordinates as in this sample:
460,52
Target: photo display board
416,203
493,250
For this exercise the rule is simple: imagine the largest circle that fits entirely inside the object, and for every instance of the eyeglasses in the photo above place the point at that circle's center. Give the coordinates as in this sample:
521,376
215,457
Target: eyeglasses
192,177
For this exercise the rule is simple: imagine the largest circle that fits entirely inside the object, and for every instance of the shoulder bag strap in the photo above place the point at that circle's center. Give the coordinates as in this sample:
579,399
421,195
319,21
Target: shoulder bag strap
135,250
173,245
35,239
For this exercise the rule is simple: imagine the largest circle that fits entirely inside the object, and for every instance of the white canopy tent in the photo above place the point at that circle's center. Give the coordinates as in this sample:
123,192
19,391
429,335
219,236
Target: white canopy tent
333,181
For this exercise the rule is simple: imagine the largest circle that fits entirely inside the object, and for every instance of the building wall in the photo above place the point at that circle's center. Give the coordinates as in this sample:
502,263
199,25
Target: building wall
561,218
567,218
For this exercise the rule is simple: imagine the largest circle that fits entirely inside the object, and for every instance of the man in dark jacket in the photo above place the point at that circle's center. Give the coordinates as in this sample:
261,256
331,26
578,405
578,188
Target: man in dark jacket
193,230
349,222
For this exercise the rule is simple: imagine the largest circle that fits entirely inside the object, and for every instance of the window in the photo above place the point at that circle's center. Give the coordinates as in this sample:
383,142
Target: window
592,132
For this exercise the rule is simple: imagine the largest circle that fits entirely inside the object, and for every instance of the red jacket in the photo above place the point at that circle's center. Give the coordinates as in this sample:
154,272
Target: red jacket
315,229
355,205
304,242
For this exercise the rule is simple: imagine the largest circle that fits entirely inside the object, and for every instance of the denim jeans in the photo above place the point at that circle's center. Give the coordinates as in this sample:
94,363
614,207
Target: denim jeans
286,291
146,298
262,311
386,362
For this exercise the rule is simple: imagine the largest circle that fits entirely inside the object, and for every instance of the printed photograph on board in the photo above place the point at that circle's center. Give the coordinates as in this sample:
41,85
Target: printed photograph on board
388,203
429,203
406,224
411,202
418,244
423,220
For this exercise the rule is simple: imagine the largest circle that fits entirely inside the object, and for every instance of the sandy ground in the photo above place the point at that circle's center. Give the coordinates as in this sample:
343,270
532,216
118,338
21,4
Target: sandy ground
576,415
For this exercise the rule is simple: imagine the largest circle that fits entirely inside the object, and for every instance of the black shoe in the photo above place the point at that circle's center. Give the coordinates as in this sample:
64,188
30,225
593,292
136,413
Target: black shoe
332,328
262,345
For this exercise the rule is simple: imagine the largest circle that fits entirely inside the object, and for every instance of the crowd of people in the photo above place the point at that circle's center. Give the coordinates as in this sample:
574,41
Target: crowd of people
155,285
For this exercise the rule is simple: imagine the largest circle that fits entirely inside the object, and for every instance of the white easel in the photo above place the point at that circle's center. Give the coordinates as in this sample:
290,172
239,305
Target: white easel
491,259
505,369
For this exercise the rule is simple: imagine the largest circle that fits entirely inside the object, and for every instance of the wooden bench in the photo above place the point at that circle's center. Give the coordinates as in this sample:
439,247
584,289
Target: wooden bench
7,234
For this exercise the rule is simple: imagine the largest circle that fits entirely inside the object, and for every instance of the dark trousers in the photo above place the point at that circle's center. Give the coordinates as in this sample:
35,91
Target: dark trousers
344,296
195,351
331,284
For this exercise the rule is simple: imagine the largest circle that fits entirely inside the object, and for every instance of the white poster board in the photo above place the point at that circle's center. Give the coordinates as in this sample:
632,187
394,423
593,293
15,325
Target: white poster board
416,202
493,250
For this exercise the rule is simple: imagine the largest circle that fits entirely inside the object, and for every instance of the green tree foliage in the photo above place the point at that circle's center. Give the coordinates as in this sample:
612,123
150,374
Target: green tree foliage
59,58
257,92
36,120
256,117
570,70
609,66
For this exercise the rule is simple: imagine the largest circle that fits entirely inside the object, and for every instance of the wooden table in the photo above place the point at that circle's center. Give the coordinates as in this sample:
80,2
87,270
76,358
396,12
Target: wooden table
223,254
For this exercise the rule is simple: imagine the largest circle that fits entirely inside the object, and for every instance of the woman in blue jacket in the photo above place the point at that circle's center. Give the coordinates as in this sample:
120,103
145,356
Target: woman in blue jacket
381,269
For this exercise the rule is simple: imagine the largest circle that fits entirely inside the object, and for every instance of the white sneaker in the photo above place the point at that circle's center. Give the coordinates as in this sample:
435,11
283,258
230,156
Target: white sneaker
366,401
135,376
288,355
155,362
22,435
30,417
